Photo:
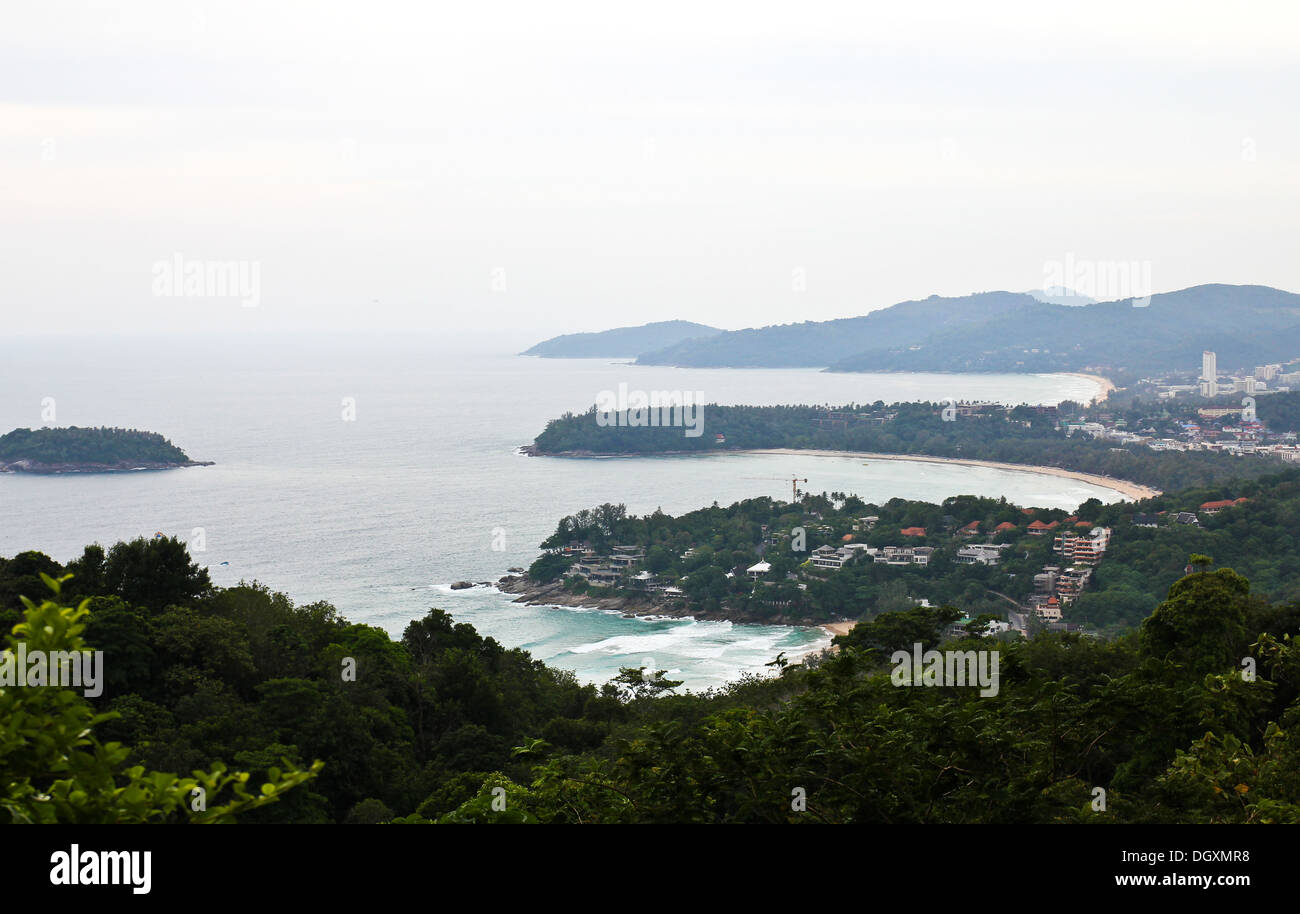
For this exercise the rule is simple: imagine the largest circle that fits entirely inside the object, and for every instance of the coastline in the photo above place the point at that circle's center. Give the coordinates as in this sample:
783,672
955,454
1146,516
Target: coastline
1106,384
35,468
523,590
837,628
1132,490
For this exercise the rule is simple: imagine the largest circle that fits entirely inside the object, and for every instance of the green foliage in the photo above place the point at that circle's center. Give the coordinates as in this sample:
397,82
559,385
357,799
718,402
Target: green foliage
447,726
899,631
916,428
56,770
111,447
548,567
1202,624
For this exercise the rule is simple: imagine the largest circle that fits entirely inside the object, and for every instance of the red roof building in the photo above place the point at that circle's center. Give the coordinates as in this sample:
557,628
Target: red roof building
1214,507
913,531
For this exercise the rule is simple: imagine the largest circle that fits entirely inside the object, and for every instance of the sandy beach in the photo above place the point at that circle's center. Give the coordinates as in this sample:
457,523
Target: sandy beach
838,628
1107,387
1131,490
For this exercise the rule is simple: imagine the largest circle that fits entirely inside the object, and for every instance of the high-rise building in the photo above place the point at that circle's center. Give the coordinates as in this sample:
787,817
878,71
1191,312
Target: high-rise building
1209,374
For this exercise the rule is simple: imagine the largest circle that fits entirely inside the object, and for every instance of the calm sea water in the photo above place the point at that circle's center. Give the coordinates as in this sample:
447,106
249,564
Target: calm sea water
381,514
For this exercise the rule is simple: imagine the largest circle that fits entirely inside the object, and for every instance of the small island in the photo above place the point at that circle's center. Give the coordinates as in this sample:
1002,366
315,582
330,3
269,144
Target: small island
89,450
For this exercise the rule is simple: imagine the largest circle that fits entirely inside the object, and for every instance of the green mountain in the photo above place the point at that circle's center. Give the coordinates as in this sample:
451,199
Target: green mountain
622,342
1014,332
1245,325
820,343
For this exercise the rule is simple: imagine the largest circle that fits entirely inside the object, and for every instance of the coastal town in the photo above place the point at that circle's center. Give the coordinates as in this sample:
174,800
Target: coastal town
826,561
1184,421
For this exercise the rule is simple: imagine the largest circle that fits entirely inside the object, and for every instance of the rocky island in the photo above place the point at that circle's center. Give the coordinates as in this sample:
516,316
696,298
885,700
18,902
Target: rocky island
89,450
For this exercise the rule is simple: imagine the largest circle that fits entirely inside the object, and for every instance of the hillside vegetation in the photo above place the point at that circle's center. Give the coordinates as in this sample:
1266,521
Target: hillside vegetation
107,446
1014,332
447,726
1023,435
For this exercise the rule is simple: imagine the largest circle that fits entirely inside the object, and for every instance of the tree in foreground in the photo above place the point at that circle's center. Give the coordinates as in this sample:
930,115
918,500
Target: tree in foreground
54,770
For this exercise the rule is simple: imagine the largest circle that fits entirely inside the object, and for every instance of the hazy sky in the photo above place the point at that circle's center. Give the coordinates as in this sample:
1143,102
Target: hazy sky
554,167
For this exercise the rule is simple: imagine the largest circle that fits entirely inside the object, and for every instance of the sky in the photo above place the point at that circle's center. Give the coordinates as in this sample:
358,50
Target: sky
535,169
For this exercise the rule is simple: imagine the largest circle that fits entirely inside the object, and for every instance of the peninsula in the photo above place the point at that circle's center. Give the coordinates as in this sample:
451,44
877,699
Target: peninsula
1135,447
828,559
622,342
53,451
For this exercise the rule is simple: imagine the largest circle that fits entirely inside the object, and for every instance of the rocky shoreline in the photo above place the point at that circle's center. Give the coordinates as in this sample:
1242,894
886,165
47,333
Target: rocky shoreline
532,593
56,469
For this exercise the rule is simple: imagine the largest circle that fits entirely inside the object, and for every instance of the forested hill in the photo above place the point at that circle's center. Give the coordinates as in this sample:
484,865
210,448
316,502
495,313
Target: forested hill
706,553
1245,325
442,724
1011,332
620,343
1023,435
817,344
71,449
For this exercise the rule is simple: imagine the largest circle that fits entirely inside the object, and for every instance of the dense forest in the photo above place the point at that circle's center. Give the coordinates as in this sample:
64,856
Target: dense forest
98,446
1025,435
1191,719
1280,411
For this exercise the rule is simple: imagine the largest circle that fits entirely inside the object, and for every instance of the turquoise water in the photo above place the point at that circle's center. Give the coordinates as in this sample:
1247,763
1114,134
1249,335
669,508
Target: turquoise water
381,514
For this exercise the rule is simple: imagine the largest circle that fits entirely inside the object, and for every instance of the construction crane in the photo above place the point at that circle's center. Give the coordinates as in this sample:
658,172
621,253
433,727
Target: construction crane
794,483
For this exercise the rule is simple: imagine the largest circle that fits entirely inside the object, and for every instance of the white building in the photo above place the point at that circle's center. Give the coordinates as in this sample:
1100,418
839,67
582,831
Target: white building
980,554
902,555
1209,374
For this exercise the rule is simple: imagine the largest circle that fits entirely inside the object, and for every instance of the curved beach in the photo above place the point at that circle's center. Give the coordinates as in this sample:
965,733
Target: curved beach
1106,384
1132,490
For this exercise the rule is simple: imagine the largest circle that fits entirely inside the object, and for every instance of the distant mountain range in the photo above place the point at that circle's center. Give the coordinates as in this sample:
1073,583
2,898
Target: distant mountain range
1059,295
624,342
1016,332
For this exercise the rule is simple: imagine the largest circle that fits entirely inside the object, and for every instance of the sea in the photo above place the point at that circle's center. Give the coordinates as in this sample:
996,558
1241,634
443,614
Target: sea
374,471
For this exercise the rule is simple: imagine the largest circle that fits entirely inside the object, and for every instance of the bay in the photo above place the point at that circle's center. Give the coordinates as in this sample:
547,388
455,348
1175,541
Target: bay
426,487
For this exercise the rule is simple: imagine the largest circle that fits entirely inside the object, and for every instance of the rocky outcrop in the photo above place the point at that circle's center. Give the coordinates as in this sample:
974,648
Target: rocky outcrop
51,469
